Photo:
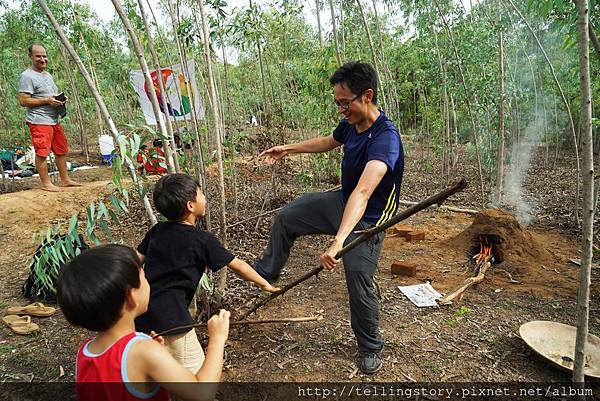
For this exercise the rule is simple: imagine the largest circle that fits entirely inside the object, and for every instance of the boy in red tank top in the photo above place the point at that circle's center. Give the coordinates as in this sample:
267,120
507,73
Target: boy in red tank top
104,289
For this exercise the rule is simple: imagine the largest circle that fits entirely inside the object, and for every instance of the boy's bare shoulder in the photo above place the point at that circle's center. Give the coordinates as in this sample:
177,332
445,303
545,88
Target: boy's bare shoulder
147,349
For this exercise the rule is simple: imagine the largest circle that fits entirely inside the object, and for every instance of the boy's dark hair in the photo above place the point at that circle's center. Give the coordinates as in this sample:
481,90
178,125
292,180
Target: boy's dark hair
92,287
172,193
356,76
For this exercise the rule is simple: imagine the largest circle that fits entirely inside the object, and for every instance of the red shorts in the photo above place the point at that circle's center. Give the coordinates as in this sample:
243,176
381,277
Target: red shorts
48,137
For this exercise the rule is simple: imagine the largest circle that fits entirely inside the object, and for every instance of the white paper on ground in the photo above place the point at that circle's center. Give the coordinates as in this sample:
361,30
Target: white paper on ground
422,295
84,168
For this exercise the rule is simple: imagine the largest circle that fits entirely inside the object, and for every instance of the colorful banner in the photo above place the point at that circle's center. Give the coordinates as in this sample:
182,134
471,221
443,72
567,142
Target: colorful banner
178,99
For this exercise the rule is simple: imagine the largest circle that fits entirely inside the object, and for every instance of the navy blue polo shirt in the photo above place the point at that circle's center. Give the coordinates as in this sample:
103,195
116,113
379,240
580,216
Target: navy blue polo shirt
381,142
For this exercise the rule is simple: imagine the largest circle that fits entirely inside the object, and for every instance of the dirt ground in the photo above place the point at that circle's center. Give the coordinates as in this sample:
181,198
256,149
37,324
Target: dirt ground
475,341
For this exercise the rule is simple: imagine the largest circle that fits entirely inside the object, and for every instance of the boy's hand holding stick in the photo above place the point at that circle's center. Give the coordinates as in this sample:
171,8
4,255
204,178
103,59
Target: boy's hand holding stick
438,198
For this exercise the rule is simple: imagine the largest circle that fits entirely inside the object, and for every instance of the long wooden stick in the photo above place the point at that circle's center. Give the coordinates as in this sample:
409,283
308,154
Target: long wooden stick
243,322
438,198
458,293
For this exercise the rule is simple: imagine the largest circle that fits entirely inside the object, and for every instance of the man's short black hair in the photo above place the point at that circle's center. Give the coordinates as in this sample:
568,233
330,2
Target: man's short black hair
172,193
30,48
356,76
92,287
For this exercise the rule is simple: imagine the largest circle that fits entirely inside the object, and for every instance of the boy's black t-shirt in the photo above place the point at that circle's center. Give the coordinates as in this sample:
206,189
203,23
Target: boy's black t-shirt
176,256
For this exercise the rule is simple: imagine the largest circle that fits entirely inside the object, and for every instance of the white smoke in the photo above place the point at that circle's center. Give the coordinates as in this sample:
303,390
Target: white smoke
521,154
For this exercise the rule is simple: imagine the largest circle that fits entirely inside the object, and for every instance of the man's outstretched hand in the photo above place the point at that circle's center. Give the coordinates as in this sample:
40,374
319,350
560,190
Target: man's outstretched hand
328,260
274,154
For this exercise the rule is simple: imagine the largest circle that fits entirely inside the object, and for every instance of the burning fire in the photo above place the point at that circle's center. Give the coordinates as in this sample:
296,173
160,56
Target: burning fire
485,254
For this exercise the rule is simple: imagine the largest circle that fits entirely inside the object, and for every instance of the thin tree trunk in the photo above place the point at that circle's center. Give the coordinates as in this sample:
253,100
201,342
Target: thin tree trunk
373,53
83,140
318,13
94,80
125,95
594,39
500,158
446,152
565,102
267,118
386,71
335,38
225,75
467,100
105,114
161,85
342,30
455,125
198,142
218,128
545,118
7,130
139,52
583,297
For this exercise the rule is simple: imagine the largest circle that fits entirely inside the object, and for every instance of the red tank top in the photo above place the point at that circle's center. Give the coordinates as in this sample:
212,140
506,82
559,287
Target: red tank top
103,377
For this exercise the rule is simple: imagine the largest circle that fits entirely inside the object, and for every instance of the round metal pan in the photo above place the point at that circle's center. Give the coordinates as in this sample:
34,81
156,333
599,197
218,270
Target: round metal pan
556,342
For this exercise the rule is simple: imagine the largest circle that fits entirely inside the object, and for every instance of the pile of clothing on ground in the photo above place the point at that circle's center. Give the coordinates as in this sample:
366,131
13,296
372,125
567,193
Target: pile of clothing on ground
19,162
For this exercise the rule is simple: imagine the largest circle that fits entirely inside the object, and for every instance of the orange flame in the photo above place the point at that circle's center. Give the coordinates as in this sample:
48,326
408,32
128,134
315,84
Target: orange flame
485,251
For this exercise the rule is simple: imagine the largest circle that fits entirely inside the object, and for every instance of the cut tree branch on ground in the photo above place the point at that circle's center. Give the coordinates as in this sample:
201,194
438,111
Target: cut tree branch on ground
438,199
458,293
244,322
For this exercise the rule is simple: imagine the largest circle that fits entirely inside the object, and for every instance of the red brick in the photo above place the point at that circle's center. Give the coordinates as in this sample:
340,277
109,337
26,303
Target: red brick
415,236
402,268
402,230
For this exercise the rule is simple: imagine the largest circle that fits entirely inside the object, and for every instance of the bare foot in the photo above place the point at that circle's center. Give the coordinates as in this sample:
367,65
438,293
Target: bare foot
50,188
70,183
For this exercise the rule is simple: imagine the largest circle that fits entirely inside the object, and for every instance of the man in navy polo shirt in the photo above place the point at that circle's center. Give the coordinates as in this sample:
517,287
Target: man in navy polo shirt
372,170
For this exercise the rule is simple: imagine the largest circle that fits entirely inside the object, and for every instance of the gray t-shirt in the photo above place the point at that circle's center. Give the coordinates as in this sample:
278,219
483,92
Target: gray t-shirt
39,85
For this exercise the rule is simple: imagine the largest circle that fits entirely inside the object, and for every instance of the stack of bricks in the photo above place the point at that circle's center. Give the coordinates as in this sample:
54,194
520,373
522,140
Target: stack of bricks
402,268
408,233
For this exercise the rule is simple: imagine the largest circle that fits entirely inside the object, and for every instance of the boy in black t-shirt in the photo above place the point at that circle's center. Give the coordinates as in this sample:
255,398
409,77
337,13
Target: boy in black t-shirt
176,254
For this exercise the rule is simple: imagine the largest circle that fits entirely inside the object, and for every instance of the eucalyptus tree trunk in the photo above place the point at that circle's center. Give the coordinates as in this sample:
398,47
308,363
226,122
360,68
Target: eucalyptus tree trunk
218,128
318,13
83,140
455,126
262,79
125,95
161,85
94,80
335,35
198,144
467,100
583,297
139,52
545,118
225,75
500,157
446,152
594,38
342,30
373,53
102,106
565,102
391,91
6,128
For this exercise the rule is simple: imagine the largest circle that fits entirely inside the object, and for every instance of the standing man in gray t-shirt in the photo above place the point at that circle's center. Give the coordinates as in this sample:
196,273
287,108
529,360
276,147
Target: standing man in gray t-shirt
37,92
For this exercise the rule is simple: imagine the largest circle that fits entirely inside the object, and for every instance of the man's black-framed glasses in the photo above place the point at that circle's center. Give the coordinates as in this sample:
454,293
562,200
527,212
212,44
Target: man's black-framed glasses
345,104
